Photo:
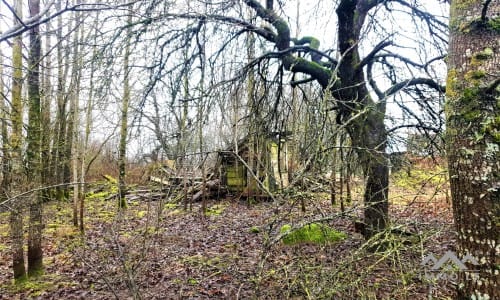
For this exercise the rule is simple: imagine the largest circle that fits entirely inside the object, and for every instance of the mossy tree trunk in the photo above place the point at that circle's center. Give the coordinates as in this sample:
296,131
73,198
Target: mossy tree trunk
33,158
16,216
473,137
47,96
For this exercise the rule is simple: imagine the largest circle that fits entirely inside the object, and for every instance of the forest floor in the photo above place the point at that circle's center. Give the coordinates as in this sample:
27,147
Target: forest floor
234,252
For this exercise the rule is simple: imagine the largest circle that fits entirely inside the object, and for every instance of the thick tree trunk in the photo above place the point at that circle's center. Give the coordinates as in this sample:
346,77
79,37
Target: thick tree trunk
370,139
473,131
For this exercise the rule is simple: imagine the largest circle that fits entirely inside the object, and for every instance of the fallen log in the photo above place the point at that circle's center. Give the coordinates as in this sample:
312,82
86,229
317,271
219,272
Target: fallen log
210,186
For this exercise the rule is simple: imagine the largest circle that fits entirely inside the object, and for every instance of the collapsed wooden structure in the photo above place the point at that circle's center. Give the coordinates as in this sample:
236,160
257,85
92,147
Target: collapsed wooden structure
254,167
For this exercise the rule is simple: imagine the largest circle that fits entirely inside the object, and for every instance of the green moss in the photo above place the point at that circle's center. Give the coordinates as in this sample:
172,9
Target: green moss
487,53
463,4
215,210
494,24
202,261
419,177
99,195
106,215
141,214
491,126
254,229
37,287
475,75
171,205
110,179
496,137
4,230
451,81
313,233
471,116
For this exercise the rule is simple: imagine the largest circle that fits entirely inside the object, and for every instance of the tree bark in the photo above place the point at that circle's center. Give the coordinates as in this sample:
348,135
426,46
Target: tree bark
473,137
33,158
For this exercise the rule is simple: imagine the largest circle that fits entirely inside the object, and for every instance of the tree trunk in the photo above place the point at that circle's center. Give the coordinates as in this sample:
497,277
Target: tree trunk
122,148
16,215
367,130
33,158
46,115
73,148
58,153
88,126
473,127
253,130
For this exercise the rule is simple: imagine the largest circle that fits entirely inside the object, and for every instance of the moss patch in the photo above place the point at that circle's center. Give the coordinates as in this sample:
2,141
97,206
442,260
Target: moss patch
4,230
419,177
170,205
254,229
36,287
313,233
215,210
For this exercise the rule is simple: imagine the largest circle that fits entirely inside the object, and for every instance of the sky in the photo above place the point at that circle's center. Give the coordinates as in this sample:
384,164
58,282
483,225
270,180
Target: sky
318,18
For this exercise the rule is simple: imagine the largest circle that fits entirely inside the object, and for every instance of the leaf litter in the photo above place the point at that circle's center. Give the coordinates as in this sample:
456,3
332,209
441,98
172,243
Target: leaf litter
231,254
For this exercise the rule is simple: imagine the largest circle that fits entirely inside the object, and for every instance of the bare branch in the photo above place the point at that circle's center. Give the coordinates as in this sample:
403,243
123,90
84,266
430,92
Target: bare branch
37,20
412,82
372,54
